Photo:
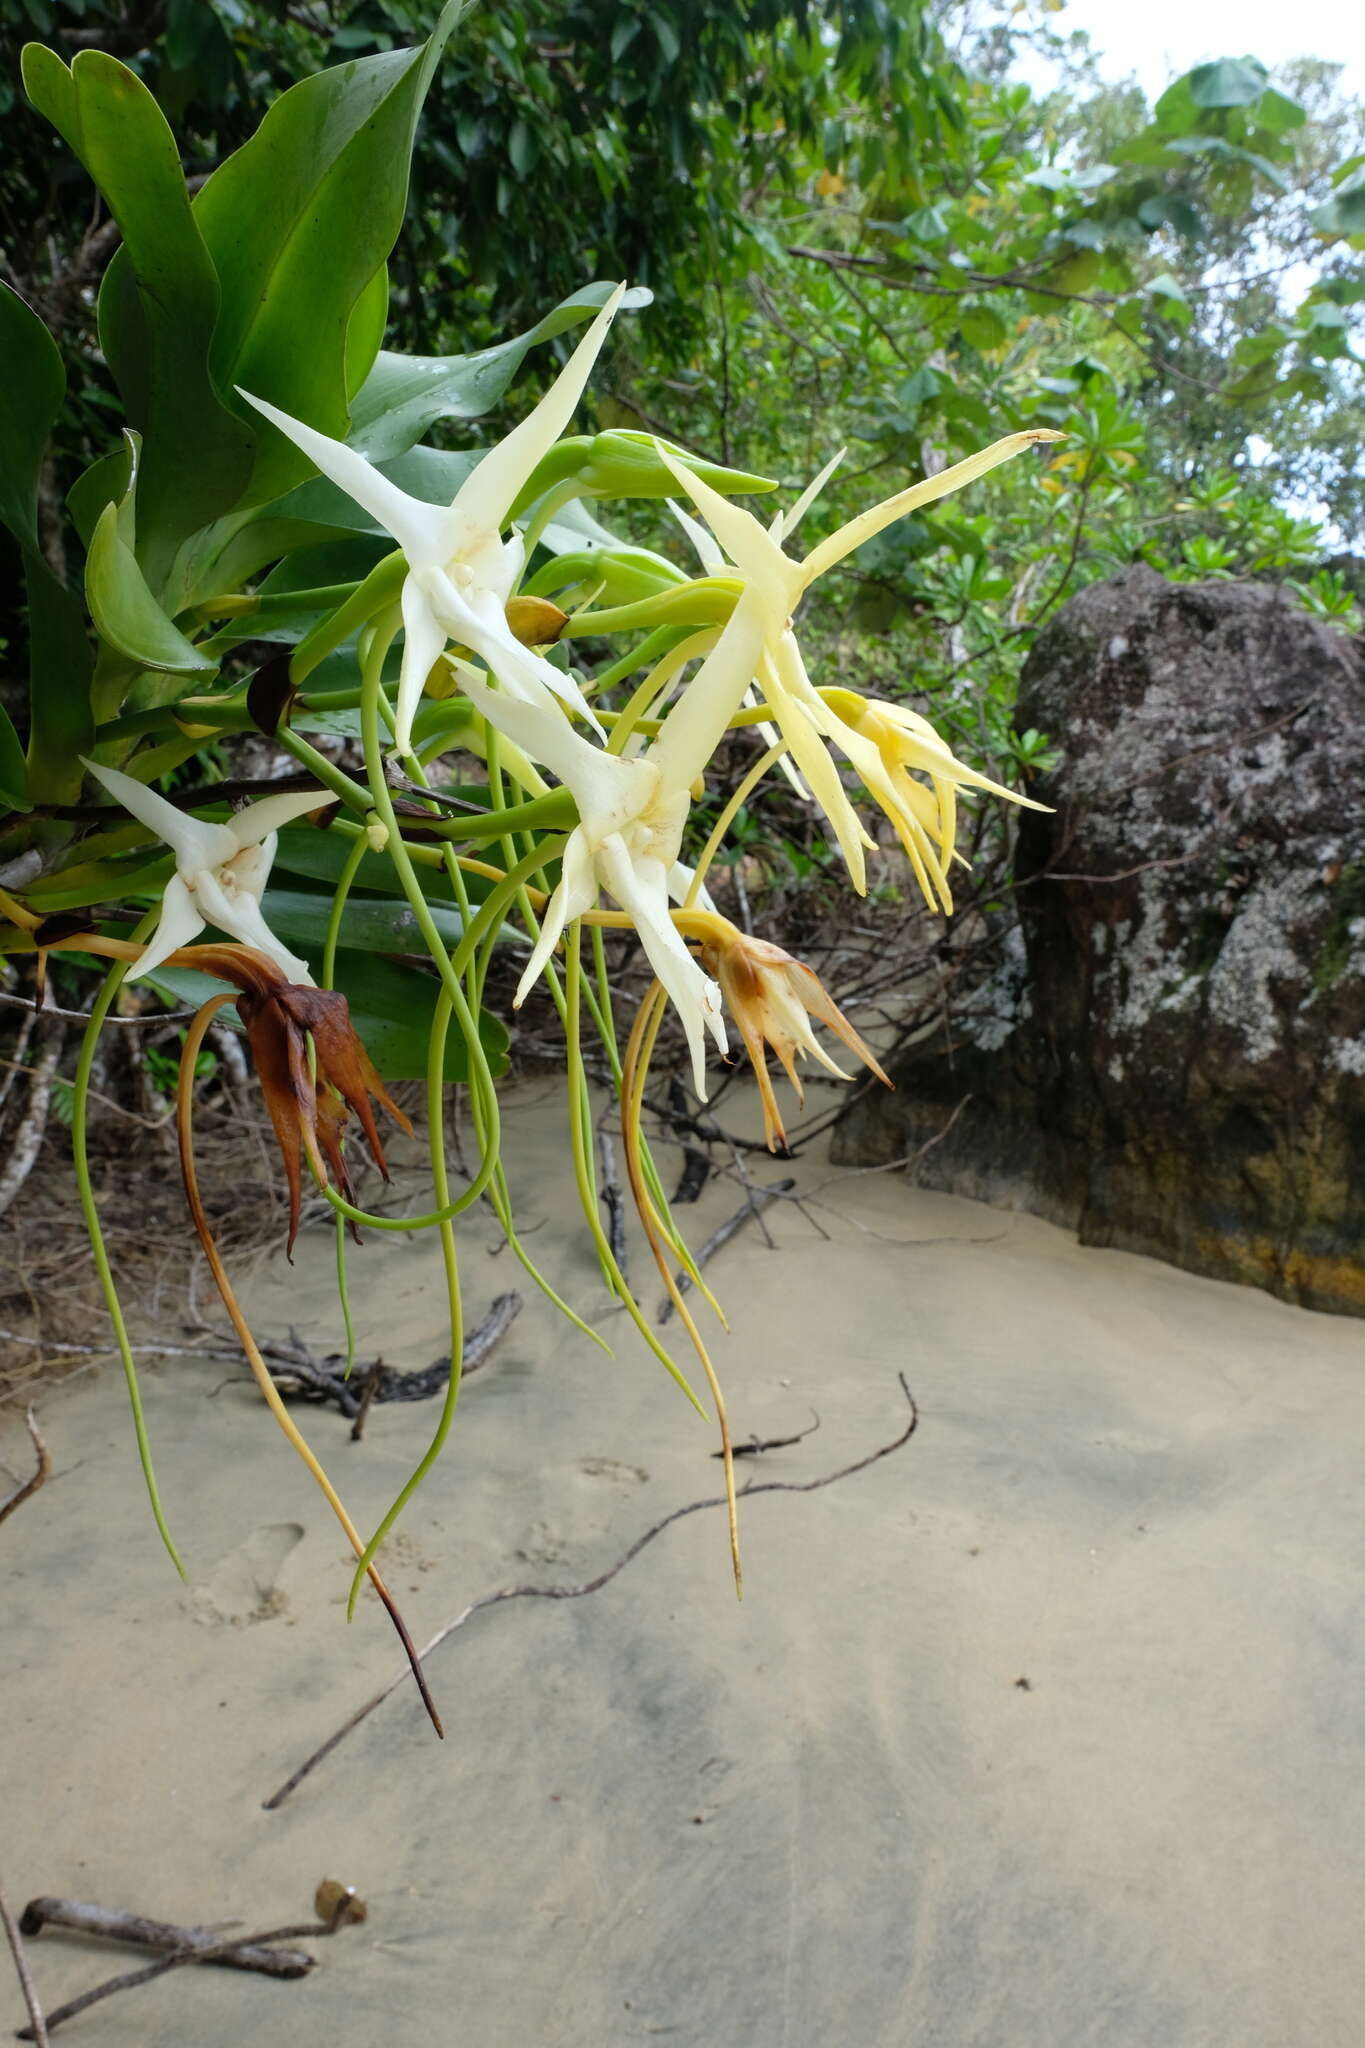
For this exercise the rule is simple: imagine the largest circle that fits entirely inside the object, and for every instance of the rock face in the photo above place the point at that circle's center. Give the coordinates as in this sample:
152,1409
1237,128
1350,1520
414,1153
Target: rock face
1169,1054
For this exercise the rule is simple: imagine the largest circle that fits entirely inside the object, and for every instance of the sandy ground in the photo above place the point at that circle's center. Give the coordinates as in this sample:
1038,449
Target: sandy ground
1046,1732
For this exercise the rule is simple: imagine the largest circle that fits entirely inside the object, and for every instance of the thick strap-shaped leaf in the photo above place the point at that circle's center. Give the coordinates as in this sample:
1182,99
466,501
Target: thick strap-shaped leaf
298,222
127,616
61,721
31,393
159,301
404,395
13,770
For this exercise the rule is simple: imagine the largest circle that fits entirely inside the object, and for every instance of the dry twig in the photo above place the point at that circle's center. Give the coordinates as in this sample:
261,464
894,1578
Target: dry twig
36,2029
30,1486
214,1951
594,1585
756,1200
111,1923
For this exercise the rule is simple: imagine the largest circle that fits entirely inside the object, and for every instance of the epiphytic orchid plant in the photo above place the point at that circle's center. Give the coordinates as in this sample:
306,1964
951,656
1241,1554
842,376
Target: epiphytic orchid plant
272,486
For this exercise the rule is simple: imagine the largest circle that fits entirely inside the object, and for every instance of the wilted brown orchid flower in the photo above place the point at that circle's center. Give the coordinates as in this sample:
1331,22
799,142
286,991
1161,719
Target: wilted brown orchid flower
772,997
310,1100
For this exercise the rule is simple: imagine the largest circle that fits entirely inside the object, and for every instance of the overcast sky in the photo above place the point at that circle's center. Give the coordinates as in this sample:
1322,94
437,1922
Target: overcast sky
1158,39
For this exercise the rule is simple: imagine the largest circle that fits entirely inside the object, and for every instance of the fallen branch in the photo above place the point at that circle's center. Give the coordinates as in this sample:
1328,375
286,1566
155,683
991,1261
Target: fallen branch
111,1923
758,1444
30,1486
298,1371
215,1951
37,2026
755,1201
595,1585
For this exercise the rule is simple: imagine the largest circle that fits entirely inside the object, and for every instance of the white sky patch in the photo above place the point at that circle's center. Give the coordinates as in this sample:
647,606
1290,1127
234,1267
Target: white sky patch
1161,39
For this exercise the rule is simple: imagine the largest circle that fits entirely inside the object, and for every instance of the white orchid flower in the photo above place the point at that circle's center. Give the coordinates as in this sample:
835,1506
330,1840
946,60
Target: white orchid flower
714,563
774,587
631,817
461,571
220,870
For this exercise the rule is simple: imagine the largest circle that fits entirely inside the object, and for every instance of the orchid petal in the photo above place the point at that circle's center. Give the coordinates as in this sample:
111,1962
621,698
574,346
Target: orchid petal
424,642
194,842
180,923
422,531
491,490
786,523
480,623
640,889
698,721
542,731
753,551
258,821
878,517
680,880
577,892
773,738
240,916
708,553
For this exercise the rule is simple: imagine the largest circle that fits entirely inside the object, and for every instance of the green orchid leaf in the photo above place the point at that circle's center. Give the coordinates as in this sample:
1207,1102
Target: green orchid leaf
404,395
369,924
109,481
126,614
392,1008
365,330
31,394
298,223
159,301
321,856
13,769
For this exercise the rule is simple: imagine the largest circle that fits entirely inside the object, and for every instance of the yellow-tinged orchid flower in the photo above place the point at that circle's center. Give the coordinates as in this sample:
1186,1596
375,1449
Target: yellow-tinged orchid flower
774,586
888,744
772,998
631,817
220,870
461,571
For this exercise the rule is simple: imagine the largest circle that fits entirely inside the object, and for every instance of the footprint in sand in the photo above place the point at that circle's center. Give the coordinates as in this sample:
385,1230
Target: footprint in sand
625,1477
243,1586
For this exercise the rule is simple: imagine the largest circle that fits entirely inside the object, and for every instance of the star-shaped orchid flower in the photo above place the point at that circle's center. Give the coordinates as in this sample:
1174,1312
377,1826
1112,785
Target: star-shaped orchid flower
774,586
888,744
461,571
220,870
631,817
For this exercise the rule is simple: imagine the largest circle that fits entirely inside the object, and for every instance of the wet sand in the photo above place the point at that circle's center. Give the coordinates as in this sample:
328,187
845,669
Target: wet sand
1047,1731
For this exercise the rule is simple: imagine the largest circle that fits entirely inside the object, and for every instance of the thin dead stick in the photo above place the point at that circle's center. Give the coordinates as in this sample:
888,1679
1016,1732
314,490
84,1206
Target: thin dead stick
298,1371
110,1923
756,1200
614,1200
83,1016
758,1444
37,2026
27,1141
217,1952
30,1486
292,1783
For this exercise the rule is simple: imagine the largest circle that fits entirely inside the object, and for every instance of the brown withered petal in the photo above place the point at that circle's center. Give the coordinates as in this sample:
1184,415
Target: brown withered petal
772,998
309,1105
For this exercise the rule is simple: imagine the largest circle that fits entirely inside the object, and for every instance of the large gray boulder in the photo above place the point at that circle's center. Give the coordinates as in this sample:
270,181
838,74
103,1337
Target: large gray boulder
1168,1053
